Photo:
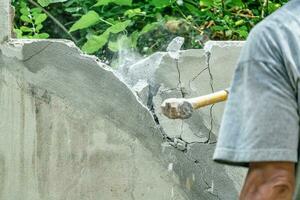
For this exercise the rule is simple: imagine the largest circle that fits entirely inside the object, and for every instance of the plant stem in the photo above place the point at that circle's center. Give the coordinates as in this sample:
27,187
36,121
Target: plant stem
107,22
223,8
54,20
265,6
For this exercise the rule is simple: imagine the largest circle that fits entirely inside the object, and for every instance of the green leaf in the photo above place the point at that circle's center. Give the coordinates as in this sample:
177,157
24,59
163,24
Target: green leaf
25,18
38,27
19,33
40,18
233,3
160,3
239,22
26,29
118,27
42,36
73,9
44,3
86,21
113,46
95,43
103,2
118,2
194,10
134,12
149,27
25,11
123,2
134,39
36,10
207,3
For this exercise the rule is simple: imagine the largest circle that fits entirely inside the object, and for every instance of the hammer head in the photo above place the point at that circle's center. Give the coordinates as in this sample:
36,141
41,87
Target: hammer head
177,108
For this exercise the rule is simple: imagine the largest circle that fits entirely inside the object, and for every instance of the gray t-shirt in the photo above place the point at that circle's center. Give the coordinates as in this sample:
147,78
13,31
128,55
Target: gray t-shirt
261,118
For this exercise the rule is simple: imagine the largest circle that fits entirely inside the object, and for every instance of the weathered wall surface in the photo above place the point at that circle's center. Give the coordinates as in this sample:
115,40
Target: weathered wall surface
5,16
70,129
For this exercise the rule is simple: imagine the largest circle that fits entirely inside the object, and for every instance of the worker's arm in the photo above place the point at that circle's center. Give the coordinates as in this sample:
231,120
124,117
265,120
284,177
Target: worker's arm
269,181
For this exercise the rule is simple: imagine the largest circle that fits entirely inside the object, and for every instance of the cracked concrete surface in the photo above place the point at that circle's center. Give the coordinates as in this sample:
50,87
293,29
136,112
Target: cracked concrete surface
195,73
71,129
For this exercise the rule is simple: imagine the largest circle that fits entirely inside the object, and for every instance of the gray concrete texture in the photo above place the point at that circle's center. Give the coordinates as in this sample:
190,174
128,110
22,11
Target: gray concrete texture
71,129
5,16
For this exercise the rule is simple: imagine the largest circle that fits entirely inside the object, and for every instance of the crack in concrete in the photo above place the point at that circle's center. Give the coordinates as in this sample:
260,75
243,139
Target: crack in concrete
209,188
179,79
37,53
211,82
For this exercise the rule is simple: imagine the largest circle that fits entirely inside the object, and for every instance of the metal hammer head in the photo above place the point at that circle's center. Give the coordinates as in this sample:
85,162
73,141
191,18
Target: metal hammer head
177,108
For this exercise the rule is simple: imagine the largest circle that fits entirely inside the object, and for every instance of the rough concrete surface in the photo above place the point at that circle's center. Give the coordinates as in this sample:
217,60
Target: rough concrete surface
71,129
5,25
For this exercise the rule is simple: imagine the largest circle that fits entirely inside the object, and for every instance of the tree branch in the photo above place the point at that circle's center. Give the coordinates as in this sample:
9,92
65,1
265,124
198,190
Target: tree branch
54,20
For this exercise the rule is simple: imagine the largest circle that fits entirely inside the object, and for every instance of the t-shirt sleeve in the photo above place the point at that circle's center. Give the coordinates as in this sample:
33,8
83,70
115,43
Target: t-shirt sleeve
260,121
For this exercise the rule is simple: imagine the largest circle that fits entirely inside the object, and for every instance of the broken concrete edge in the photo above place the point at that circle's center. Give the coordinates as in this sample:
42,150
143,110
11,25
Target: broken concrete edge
141,72
15,49
210,44
153,142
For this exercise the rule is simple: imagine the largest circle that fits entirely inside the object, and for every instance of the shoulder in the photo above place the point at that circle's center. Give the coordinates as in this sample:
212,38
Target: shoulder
263,42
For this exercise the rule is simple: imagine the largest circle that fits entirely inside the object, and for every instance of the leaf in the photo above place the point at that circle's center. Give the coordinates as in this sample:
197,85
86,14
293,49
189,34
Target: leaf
38,27
160,3
40,18
134,39
118,2
26,29
86,21
234,3
73,9
42,36
134,12
24,18
103,2
118,27
95,43
19,33
25,11
207,3
149,27
123,2
113,46
194,10
239,22
45,3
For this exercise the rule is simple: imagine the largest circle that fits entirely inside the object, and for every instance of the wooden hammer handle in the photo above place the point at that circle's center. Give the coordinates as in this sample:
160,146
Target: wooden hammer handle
209,99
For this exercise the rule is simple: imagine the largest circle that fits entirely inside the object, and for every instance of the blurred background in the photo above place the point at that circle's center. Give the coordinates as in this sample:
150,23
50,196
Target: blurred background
104,27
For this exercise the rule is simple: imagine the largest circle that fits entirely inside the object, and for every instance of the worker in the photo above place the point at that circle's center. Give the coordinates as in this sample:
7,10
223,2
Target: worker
260,125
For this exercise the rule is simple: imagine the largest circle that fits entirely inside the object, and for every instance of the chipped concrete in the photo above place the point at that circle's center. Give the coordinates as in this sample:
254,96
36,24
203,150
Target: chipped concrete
66,135
193,73
71,129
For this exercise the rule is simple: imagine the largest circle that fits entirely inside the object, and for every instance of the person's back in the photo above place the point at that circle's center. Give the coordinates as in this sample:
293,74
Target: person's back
260,127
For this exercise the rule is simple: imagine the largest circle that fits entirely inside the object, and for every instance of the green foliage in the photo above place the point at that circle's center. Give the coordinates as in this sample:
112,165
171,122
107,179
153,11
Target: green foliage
86,21
31,22
98,26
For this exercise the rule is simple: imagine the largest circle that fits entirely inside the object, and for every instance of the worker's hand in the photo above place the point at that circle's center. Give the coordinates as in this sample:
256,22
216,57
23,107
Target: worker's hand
177,108
269,181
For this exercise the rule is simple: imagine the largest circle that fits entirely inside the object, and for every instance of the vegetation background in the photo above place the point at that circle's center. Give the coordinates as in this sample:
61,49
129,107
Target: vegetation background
101,27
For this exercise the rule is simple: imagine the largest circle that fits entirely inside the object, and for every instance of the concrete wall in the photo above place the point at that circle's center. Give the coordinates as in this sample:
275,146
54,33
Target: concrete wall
73,129
5,16
70,129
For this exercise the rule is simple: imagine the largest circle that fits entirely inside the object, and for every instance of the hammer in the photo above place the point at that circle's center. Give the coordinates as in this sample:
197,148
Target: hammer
181,108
